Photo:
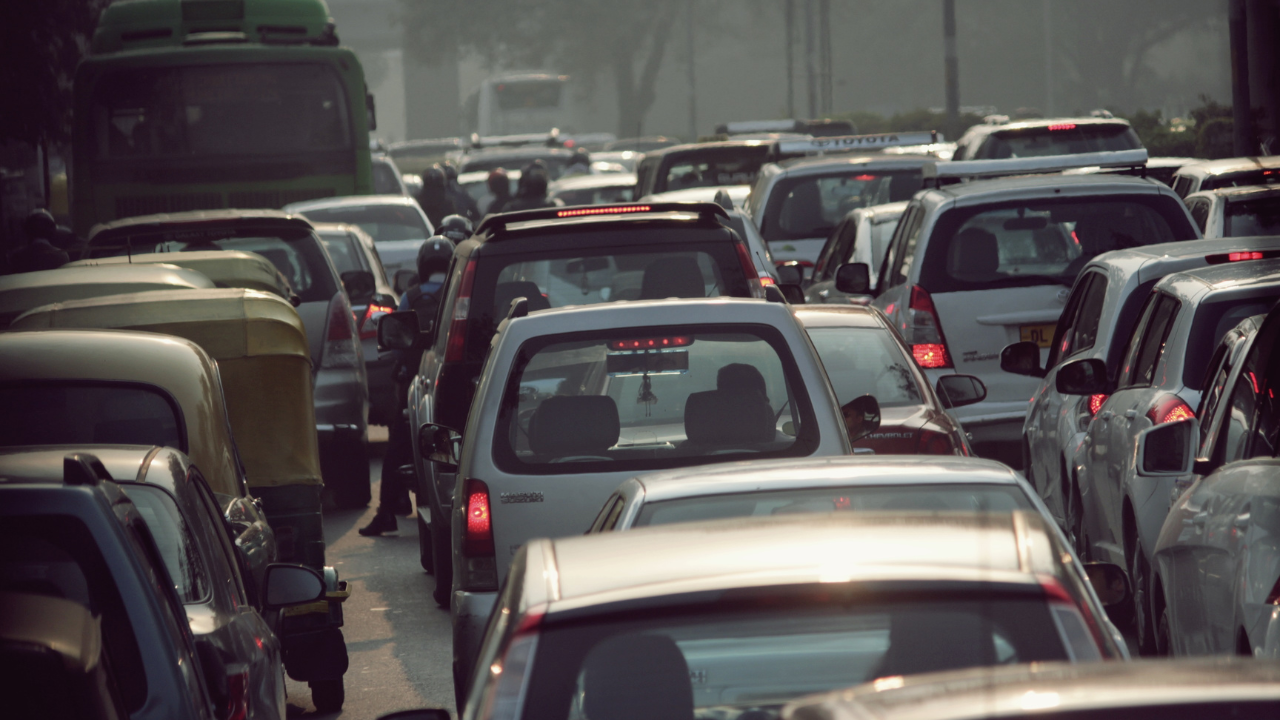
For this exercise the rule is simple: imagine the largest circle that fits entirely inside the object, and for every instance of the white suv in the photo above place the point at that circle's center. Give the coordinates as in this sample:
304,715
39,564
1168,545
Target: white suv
973,267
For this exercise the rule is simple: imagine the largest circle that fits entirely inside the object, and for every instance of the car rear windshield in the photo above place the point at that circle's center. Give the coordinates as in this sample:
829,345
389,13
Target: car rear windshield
85,414
597,195
296,253
177,547
711,168
1212,320
1061,139
385,181
856,498
343,251
1245,218
811,206
652,398
383,222
1043,242
739,661
866,361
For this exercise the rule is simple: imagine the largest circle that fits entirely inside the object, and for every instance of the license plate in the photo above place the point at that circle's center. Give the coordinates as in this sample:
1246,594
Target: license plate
1041,335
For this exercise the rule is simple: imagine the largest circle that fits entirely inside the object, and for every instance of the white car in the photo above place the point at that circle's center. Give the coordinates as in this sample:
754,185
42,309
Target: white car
975,266
999,138
1228,172
594,189
862,237
572,401
1162,370
1237,211
396,222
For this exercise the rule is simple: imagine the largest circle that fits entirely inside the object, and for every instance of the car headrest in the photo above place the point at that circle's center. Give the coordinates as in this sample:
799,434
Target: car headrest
508,291
722,418
574,425
637,677
677,277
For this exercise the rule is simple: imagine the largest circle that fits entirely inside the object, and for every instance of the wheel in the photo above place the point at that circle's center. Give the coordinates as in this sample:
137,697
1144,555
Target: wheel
1143,627
327,695
351,489
442,562
424,545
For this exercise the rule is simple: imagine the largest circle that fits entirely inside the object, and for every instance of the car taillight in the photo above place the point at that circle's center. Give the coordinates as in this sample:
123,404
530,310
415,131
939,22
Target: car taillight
924,331
1240,256
1170,409
340,349
478,564
1095,403
510,674
754,285
456,345
369,328
1057,595
766,280
237,692
1062,126
611,210
934,443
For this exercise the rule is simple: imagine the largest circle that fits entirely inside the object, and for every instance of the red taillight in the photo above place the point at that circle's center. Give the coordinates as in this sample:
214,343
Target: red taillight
934,443
766,280
339,325
754,284
237,692
924,331
477,537
1062,126
1095,403
340,348
1170,409
652,343
456,345
864,178
615,210
1240,256
368,328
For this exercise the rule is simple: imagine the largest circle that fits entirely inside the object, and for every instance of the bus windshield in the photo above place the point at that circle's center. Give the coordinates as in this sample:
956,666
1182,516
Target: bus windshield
172,112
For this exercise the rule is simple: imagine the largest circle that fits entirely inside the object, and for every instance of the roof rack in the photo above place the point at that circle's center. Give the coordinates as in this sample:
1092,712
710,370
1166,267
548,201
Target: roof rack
550,139
937,174
782,149
501,220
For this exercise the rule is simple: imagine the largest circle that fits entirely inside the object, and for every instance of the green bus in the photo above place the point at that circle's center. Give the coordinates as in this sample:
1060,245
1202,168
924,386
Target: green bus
204,104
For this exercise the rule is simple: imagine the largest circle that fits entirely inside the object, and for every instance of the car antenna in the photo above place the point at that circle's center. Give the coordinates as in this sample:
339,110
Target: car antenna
128,244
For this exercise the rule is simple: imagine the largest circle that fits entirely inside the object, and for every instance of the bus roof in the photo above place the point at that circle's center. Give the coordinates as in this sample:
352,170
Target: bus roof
138,24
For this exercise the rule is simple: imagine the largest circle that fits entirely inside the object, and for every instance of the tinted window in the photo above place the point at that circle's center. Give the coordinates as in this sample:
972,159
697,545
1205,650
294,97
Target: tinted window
173,538
811,206
1199,213
82,414
1060,139
1085,332
596,196
343,251
385,181
905,239
858,498
382,222
1043,242
1152,344
710,167
1253,217
1212,321
866,361
1215,384
599,404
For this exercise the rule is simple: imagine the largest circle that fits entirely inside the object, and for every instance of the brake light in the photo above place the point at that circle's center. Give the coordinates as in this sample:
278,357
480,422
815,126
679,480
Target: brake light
1170,409
1240,256
614,210
651,343
934,443
766,280
1095,403
1062,126
456,344
368,328
340,348
479,568
237,692
754,284
924,331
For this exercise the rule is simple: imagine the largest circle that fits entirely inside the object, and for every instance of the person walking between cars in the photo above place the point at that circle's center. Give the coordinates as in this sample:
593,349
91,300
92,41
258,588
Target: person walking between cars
397,464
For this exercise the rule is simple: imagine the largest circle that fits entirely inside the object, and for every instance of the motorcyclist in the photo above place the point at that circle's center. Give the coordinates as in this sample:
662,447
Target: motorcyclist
397,464
39,253
579,164
463,203
532,192
434,198
500,188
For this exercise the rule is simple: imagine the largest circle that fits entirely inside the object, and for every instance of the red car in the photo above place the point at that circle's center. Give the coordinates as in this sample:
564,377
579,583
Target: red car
864,355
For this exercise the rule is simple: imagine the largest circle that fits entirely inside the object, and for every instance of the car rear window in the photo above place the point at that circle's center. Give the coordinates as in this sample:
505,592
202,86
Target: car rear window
711,167
866,361
811,206
1212,321
1245,218
1043,242
597,195
85,414
383,222
385,181
652,398
855,498
728,660
1061,139
343,251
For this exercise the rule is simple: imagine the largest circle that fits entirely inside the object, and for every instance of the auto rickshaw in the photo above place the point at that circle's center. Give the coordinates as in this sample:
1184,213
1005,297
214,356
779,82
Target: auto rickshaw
226,268
24,291
261,350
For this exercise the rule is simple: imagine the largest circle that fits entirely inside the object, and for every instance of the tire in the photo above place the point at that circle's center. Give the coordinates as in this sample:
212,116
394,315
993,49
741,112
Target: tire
1143,625
351,489
327,695
424,546
442,562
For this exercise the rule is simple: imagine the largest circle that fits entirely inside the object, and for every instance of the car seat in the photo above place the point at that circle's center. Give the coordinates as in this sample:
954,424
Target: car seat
928,640
719,418
975,256
566,425
508,291
677,277
637,677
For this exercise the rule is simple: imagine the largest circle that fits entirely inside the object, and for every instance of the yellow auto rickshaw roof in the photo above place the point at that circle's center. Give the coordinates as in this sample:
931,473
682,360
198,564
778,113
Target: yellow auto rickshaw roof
226,322
23,291
226,268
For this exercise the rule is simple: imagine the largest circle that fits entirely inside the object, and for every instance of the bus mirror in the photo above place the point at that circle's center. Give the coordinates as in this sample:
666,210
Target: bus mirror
372,109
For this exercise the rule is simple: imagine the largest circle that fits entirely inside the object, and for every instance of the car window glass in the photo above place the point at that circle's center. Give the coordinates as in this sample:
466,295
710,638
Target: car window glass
603,515
866,361
343,251
383,222
1182,186
1214,385
178,549
810,206
730,166
905,248
1200,213
1059,139
828,259
1266,433
1239,422
596,196
1085,332
1260,216
1153,340
611,521
216,520
1135,340
1213,318
1063,333
70,413
385,181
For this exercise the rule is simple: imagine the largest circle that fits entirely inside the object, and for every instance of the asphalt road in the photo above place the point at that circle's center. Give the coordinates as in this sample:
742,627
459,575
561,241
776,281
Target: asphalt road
397,639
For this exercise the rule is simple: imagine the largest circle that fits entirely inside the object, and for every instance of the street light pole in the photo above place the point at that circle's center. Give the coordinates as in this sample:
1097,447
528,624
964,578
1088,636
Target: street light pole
693,87
789,7
952,66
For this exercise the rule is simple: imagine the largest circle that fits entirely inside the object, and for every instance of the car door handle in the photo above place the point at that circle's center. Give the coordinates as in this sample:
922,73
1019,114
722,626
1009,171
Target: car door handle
1105,415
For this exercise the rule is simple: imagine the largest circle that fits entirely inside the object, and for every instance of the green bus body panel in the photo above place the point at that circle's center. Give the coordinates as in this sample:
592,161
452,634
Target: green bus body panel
134,24
94,201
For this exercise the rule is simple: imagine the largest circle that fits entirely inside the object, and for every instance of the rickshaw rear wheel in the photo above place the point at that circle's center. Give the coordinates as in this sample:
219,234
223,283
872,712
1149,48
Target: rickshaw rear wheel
327,695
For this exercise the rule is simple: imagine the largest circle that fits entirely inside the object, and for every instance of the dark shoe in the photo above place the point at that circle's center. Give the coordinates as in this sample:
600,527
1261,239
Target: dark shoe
403,507
383,522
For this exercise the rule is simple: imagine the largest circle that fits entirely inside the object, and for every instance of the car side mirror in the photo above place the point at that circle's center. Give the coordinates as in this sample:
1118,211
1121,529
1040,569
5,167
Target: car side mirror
959,390
1083,377
854,279
398,330
287,585
1168,450
1022,358
358,283
403,280
440,445
417,714
1110,582
789,273
861,416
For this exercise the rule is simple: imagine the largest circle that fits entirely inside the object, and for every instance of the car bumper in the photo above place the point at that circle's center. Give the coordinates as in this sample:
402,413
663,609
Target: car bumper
341,398
470,612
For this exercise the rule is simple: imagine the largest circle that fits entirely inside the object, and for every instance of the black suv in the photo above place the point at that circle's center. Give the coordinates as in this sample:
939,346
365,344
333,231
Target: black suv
553,257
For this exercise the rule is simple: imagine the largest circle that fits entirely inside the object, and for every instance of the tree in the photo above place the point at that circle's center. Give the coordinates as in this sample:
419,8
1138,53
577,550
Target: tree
625,42
40,45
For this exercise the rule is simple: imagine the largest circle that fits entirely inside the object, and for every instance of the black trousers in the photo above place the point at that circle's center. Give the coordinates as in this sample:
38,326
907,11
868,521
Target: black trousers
394,490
